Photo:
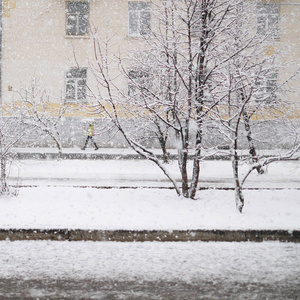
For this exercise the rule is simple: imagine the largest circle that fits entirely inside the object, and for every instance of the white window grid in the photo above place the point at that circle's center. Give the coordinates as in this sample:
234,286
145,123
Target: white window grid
137,81
77,16
76,89
267,88
268,19
139,16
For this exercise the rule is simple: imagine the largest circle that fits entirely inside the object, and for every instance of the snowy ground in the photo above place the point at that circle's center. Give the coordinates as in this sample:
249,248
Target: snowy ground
145,173
184,261
150,270
138,209
55,203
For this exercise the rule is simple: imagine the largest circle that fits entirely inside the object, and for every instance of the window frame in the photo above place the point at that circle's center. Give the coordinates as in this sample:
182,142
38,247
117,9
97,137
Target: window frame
271,87
77,85
196,20
136,80
267,87
142,28
267,19
77,14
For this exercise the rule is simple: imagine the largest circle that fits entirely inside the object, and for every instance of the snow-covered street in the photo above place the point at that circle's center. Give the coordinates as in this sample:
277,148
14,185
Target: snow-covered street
147,209
150,270
92,195
140,173
56,203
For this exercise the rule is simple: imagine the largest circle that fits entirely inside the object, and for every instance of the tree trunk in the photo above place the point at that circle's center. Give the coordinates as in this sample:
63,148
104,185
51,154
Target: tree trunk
239,197
196,172
252,150
162,138
196,165
165,154
57,142
182,159
4,186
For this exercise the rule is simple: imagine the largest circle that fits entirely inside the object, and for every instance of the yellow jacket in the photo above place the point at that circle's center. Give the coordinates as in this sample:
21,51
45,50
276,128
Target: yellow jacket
90,130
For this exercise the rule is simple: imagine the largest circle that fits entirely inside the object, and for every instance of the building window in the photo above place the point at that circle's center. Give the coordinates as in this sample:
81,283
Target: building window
268,87
139,14
268,19
77,14
196,20
76,84
271,87
137,82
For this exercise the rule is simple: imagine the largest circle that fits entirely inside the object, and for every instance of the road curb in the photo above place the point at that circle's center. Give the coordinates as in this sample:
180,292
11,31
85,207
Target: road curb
99,156
113,156
150,235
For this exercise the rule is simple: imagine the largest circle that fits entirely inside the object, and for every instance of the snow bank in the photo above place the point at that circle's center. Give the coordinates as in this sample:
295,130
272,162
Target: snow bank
139,209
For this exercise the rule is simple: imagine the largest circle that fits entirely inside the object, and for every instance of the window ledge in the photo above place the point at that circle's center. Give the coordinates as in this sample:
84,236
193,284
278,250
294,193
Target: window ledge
273,39
136,37
75,101
77,36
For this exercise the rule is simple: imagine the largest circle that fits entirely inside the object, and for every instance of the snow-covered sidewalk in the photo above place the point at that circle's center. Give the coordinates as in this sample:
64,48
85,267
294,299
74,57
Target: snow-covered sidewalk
56,203
141,173
148,209
128,151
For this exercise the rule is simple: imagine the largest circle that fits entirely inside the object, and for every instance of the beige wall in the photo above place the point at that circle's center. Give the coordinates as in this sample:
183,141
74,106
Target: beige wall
35,44
289,46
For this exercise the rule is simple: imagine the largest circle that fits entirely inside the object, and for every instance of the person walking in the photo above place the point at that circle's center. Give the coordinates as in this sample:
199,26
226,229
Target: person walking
90,134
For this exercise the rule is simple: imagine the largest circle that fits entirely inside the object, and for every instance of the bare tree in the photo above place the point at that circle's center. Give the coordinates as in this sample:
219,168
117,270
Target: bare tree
44,113
172,79
11,133
109,101
245,89
202,63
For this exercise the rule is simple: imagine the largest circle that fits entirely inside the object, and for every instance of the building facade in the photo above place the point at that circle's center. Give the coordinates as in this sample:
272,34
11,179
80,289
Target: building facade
45,41
49,42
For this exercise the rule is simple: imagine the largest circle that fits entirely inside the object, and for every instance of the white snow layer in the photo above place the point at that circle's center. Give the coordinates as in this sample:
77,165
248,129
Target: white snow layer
267,262
139,209
64,206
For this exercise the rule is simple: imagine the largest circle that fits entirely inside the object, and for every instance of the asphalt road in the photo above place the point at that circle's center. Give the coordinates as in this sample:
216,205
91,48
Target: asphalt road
151,270
216,288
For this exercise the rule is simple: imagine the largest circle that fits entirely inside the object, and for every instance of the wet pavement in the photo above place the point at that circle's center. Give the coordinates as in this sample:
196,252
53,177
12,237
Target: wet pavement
215,288
149,270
